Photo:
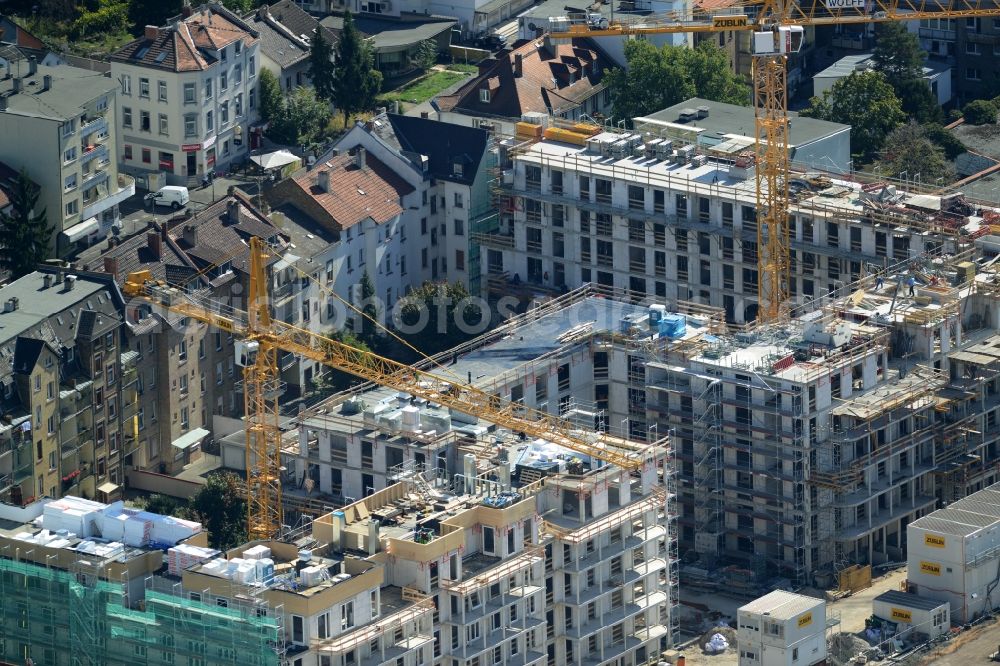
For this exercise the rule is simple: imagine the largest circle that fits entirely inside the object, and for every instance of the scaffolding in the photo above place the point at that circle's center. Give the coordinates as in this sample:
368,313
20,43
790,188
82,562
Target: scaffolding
75,617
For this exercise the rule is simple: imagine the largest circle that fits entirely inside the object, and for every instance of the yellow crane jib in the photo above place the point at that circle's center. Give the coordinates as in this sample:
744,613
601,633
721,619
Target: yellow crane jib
260,338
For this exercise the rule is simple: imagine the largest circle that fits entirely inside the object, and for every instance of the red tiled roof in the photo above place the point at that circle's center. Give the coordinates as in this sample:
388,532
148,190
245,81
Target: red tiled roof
356,194
553,77
179,48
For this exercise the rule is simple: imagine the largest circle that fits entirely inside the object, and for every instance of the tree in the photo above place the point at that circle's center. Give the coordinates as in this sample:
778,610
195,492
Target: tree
656,78
302,118
897,53
25,232
221,509
333,380
151,12
980,112
368,307
437,306
321,69
708,66
426,54
271,100
866,102
908,148
951,144
356,82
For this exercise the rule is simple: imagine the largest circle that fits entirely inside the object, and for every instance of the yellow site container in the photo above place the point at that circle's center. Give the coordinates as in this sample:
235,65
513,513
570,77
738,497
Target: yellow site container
588,129
528,131
566,136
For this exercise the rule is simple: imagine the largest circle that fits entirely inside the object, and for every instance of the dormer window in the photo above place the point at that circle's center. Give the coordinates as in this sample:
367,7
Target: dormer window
222,55
238,47
593,68
484,95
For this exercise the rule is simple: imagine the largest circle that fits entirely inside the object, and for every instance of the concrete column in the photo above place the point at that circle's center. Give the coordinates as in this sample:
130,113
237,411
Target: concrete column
869,372
945,332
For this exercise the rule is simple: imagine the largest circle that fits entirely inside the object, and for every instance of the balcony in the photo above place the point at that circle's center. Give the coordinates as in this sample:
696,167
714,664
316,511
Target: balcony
495,239
99,123
95,176
125,189
95,151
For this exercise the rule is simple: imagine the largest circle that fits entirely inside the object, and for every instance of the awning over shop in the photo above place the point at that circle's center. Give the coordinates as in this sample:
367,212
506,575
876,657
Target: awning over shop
82,230
107,487
189,439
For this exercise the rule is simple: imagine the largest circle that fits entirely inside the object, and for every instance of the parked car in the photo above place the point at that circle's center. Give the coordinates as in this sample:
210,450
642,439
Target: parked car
174,196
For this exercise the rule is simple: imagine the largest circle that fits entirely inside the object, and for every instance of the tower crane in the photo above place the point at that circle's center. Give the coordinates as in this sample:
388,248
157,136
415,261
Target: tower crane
776,28
260,337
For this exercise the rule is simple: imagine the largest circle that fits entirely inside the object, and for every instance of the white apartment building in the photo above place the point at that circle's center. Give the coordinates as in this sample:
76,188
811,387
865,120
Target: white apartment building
187,96
58,123
394,198
675,223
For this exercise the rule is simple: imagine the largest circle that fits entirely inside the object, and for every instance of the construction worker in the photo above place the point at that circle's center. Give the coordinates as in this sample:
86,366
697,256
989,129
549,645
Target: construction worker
879,281
911,283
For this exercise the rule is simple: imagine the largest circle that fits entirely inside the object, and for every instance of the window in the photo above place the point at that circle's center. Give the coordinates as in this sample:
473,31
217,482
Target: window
459,227
161,91
298,629
126,83
972,73
224,114
190,125
252,99
190,94
185,419
237,75
126,117
484,95
128,151
224,80
972,48
459,260
238,106
69,155
147,156
144,88
163,124
208,88
252,67
72,208
144,122
182,351
209,122
69,183
69,127
458,200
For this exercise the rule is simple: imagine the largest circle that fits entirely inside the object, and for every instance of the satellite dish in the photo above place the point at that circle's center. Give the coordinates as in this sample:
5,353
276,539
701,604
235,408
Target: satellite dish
532,27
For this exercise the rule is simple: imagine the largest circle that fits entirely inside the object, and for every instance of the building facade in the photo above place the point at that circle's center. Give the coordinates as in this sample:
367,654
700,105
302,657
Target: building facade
60,125
68,388
187,97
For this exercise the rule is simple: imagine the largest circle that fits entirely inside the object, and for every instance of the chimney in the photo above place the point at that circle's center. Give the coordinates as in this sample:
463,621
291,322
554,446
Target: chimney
58,279
359,158
191,235
46,82
425,115
70,282
32,65
17,84
111,266
323,180
518,64
155,244
3,102
233,211
46,281
186,9
151,32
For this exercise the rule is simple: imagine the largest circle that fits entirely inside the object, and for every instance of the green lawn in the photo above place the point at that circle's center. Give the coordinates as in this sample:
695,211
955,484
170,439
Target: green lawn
422,89
463,67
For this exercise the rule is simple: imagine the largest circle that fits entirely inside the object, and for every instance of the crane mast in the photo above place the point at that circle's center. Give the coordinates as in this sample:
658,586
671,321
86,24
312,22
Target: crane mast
260,338
776,31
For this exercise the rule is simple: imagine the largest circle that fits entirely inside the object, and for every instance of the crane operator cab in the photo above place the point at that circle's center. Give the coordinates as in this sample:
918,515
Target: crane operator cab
780,41
246,353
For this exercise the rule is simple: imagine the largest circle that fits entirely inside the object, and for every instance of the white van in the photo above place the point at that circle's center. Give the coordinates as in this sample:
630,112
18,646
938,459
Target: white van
174,196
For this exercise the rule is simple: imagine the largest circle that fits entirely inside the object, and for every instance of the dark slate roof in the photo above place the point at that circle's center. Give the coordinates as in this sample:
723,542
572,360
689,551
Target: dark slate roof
26,353
444,144
219,239
281,27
